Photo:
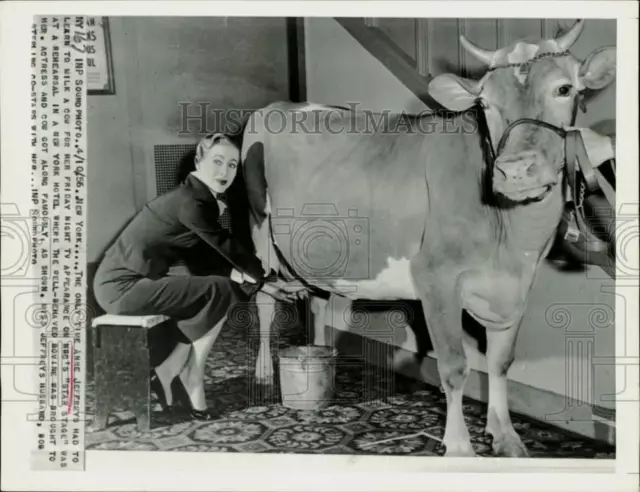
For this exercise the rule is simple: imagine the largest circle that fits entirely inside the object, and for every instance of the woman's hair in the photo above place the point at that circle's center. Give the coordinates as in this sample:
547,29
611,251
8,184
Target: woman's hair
188,161
208,141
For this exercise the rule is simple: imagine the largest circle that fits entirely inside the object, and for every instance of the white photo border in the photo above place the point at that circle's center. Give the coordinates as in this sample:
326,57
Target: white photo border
129,470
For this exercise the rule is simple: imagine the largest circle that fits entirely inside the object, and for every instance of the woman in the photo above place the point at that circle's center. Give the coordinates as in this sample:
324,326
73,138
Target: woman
183,225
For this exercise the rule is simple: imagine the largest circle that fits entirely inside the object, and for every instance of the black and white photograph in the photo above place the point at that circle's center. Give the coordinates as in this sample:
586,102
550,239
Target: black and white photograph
392,236
364,237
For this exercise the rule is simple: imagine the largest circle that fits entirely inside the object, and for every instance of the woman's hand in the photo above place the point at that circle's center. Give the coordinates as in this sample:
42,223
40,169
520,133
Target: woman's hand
240,277
247,278
285,291
236,276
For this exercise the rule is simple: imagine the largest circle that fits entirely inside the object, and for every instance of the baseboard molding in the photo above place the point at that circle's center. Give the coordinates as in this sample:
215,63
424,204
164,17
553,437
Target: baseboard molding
558,410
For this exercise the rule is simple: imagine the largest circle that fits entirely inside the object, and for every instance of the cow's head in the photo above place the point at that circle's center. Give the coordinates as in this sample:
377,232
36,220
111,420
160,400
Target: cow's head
539,80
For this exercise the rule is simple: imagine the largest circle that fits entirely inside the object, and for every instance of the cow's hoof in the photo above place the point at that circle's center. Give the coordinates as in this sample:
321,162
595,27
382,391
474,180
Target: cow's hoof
459,451
510,446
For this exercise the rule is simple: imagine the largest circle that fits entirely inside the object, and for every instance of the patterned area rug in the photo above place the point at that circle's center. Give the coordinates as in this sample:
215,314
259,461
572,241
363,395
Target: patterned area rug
374,413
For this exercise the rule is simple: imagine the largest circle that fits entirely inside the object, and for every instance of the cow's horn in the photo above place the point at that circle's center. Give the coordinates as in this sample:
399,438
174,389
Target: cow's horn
566,40
481,54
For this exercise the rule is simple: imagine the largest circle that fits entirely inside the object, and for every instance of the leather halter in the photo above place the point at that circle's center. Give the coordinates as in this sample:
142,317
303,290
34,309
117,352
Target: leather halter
579,176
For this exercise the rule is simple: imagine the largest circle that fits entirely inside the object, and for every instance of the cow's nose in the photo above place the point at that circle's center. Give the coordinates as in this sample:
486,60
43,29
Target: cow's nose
526,166
513,167
541,169
532,169
523,163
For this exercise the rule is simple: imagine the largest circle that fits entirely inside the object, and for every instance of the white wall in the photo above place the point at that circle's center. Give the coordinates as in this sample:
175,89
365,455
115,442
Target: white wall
550,353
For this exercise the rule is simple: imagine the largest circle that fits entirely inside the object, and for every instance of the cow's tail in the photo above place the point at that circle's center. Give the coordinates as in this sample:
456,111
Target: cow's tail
254,175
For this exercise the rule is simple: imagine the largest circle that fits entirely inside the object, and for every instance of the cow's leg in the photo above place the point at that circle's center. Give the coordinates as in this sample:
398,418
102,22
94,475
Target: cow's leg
443,312
319,309
453,369
264,364
500,353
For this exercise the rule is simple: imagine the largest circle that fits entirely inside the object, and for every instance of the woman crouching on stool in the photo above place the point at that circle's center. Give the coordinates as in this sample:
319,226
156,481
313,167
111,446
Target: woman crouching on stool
134,277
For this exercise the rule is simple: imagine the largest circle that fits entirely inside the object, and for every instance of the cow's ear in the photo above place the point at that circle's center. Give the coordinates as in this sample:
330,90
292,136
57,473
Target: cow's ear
453,92
599,69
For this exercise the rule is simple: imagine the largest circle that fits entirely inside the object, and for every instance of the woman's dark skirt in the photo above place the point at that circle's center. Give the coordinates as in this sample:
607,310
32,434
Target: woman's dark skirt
197,303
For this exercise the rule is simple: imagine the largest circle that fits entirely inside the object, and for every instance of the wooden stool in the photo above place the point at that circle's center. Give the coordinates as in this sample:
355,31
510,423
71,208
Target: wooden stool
122,366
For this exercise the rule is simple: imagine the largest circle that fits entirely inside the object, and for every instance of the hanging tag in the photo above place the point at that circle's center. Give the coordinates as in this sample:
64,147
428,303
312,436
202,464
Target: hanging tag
573,234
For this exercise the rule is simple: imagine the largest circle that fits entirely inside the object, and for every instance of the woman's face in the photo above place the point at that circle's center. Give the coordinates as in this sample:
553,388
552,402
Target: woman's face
218,166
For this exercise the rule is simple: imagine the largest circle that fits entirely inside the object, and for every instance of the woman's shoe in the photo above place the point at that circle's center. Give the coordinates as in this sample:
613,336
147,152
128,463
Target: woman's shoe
156,387
180,393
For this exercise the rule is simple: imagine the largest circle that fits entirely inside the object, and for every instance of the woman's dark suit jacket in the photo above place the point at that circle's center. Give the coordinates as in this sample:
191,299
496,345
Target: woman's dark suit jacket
179,226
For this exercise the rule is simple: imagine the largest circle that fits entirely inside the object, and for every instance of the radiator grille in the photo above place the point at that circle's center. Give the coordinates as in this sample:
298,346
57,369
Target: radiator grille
167,160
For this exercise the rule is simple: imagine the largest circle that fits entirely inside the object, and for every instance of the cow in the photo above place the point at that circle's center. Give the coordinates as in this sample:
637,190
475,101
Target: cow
457,208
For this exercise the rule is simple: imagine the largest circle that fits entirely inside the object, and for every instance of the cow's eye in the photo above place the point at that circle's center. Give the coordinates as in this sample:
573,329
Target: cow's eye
564,90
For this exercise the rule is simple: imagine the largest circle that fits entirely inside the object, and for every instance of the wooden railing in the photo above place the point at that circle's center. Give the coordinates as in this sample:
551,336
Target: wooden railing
415,50
407,65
